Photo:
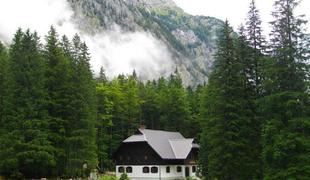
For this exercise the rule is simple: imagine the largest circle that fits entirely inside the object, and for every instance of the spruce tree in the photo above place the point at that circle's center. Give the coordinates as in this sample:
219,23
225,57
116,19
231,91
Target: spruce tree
286,108
3,79
105,106
254,35
58,84
250,95
225,151
9,164
28,120
3,110
81,136
131,104
149,106
176,112
256,69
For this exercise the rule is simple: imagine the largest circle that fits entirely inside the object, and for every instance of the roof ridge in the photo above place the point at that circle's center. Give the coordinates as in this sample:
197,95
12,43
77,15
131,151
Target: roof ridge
181,139
174,153
160,131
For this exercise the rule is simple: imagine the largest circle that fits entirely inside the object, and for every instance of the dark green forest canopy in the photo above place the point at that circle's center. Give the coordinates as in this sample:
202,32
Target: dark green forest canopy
56,117
256,106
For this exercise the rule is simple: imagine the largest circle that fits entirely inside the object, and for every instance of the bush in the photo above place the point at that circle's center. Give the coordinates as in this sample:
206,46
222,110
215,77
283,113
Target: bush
107,178
124,177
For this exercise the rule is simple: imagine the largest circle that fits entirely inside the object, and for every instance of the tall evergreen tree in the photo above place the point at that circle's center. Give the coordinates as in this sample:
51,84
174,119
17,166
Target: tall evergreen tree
3,79
225,151
28,120
131,104
175,112
286,108
9,163
58,84
254,36
81,137
149,105
193,99
4,139
244,54
105,106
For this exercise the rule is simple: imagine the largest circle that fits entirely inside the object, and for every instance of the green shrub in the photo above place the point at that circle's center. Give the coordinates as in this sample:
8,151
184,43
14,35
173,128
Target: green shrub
107,178
124,177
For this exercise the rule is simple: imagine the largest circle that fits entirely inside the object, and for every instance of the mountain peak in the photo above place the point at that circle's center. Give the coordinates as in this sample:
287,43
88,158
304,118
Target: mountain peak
152,3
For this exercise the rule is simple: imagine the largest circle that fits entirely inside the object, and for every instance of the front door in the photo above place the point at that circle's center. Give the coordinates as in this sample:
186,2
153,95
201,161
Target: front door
186,171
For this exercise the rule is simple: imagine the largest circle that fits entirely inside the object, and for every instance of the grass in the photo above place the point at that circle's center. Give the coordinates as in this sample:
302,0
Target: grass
107,177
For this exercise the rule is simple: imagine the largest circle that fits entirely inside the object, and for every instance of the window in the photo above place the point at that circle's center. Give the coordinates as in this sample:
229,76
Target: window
121,169
154,169
193,169
146,169
129,169
145,157
168,169
179,169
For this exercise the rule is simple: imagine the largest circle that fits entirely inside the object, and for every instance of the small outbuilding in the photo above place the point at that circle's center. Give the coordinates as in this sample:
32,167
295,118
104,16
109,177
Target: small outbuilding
155,154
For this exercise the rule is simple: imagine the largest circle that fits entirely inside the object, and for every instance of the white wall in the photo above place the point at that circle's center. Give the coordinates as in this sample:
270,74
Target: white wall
137,172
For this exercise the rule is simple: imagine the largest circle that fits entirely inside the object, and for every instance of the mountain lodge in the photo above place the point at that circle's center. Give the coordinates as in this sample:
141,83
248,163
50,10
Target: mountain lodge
155,154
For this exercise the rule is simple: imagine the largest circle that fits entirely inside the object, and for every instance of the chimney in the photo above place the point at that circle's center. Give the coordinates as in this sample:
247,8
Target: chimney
142,126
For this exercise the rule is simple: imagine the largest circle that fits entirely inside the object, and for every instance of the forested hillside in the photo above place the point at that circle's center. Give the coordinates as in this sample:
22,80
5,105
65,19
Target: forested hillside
252,119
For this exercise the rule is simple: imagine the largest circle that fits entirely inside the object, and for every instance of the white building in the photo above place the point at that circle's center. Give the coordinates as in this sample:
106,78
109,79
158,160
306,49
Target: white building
154,154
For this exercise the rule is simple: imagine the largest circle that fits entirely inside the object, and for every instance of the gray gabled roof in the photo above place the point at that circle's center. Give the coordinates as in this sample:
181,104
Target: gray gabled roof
168,145
181,147
135,138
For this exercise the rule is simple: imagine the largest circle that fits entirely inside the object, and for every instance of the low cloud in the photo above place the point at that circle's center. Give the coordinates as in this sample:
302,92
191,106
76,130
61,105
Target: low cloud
117,51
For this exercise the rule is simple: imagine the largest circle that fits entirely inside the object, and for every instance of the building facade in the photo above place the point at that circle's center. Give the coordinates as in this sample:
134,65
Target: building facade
154,154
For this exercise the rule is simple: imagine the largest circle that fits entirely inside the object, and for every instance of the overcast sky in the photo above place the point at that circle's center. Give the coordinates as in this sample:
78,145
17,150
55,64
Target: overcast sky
236,10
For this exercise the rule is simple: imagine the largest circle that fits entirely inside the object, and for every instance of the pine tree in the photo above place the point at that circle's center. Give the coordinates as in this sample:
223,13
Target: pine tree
244,54
131,104
3,80
149,105
102,77
193,99
4,139
174,107
28,119
255,66
9,162
225,152
105,106
286,108
81,138
254,36
58,84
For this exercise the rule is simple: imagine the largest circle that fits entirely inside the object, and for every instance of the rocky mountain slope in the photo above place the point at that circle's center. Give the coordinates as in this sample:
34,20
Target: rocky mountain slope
191,39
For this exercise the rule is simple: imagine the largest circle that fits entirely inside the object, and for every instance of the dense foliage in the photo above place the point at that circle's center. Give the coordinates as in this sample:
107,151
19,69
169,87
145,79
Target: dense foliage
255,110
125,103
48,110
57,120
